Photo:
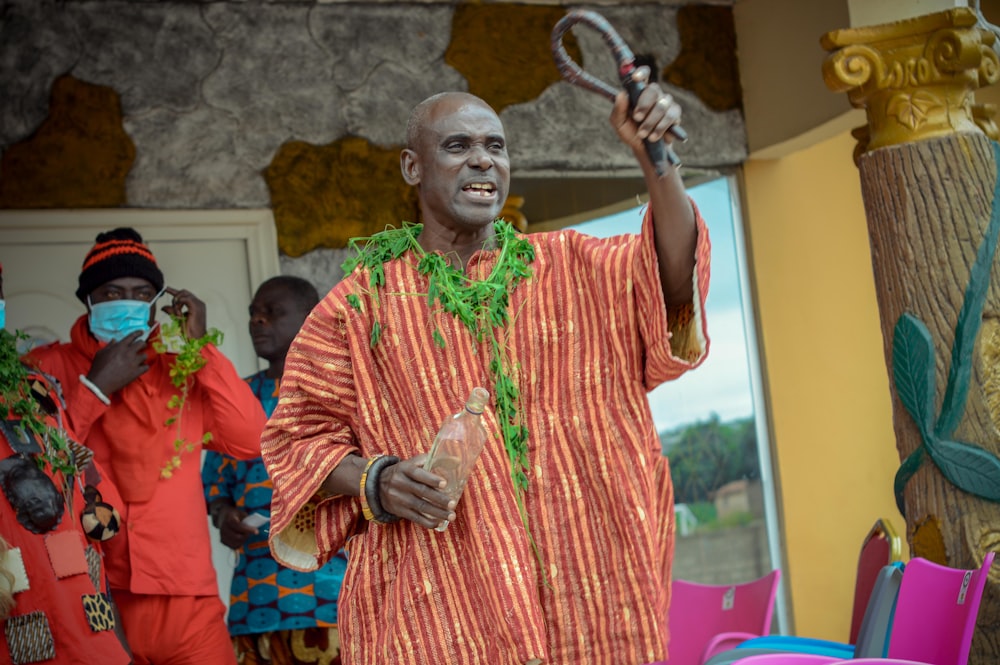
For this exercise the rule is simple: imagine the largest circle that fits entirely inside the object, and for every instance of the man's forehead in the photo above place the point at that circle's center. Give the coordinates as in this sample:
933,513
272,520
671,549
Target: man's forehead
462,116
273,293
128,283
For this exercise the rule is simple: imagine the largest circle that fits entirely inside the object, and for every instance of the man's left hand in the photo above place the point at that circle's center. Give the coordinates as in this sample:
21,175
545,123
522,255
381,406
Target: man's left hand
192,311
654,114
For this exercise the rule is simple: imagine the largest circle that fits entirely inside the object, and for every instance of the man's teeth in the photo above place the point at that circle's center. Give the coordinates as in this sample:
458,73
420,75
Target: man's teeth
480,188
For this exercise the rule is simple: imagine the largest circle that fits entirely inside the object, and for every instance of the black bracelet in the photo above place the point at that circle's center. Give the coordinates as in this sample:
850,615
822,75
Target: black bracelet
372,489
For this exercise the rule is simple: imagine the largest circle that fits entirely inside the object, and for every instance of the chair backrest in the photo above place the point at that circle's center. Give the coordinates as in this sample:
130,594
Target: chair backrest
936,612
701,612
881,547
876,625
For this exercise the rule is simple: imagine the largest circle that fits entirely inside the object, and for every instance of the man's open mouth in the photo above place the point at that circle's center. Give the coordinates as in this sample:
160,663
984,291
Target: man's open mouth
480,188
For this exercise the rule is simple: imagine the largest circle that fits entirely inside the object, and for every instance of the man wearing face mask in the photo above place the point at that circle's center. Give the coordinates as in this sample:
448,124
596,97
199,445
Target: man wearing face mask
122,403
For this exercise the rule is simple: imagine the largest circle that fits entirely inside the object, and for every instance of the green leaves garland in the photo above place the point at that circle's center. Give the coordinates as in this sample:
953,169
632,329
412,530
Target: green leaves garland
967,466
186,363
16,398
481,306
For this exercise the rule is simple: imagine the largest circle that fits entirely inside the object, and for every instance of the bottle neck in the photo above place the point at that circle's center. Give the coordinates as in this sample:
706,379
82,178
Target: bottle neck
476,403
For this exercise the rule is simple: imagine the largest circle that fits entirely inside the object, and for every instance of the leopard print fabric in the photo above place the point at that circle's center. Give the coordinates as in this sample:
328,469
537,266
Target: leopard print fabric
100,614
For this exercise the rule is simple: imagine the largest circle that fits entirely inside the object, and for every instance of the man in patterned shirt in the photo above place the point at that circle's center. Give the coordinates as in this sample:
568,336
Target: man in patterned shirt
276,615
560,550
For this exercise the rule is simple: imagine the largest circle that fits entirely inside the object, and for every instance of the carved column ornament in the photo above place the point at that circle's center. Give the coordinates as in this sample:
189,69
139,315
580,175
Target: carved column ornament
929,181
915,78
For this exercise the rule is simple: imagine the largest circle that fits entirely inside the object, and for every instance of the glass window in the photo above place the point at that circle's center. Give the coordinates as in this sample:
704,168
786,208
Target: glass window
712,421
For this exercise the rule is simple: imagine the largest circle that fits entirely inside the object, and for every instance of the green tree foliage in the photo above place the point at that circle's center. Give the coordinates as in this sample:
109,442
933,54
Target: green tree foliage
707,455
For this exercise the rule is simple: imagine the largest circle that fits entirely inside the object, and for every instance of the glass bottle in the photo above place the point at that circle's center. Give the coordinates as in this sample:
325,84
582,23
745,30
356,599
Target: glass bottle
457,446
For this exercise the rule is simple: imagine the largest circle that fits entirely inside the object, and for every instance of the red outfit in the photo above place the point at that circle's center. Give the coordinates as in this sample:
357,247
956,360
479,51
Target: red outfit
589,336
57,586
166,548
195,625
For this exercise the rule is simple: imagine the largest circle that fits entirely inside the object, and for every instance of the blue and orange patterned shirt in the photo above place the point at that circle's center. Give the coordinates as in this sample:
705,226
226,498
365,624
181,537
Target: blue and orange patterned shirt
264,595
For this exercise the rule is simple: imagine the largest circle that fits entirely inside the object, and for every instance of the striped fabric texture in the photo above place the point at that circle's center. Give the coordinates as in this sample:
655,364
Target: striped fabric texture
103,251
29,638
589,336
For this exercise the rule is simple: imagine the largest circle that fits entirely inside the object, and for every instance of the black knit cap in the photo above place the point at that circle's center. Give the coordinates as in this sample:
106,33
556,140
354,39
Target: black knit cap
118,253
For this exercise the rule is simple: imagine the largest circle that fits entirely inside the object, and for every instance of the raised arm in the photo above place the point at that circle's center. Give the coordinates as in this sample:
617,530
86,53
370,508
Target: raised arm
233,414
673,217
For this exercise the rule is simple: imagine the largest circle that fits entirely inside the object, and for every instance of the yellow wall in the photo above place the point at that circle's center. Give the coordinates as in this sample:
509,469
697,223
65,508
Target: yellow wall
821,340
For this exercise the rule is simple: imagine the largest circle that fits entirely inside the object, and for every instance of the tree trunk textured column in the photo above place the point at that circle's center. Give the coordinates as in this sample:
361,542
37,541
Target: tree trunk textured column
929,180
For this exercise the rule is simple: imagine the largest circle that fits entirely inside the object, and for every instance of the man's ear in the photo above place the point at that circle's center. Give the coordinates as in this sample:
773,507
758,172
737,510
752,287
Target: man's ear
410,166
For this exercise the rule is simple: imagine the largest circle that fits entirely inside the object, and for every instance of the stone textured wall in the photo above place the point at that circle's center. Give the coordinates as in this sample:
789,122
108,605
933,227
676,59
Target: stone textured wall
216,97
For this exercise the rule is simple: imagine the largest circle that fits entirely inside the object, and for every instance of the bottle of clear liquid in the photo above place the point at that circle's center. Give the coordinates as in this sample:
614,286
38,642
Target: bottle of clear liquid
457,446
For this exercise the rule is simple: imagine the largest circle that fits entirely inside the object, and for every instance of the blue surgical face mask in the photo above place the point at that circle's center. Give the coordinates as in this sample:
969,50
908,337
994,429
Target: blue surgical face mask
113,320
3,313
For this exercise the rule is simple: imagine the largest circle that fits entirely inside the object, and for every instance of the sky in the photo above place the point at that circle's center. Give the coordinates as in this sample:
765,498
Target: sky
721,385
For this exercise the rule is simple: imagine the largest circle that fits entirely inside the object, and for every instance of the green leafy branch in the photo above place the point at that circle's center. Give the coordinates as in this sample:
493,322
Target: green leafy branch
16,397
372,254
187,362
967,466
482,306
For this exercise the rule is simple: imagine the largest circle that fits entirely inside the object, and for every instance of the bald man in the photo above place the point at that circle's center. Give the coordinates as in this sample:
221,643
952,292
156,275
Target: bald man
560,549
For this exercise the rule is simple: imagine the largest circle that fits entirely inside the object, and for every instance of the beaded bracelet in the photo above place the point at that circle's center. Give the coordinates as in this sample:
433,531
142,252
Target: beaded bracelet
371,507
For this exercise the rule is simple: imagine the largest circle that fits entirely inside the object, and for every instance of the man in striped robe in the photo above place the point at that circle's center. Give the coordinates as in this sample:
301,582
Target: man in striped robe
560,549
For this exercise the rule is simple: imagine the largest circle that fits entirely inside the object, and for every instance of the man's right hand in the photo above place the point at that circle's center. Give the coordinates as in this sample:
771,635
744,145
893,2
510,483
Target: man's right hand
405,489
410,492
119,363
232,531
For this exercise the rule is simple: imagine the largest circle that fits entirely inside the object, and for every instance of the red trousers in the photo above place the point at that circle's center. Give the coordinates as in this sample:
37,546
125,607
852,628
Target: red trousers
175,630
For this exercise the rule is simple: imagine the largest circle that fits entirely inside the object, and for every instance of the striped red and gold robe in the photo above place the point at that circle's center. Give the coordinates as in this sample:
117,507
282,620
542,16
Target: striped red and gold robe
590,335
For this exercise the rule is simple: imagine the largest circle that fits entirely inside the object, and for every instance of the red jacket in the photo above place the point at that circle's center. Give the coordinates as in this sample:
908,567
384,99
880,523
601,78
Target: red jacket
165,548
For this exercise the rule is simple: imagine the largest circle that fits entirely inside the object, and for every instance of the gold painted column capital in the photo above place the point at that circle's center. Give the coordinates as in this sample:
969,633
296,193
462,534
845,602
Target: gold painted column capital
915,78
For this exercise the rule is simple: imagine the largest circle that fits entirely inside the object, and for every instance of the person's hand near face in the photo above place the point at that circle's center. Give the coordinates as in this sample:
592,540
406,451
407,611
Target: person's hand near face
192,311
121,361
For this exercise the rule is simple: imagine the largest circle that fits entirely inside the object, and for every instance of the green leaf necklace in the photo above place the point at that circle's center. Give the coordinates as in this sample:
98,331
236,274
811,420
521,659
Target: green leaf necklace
480,305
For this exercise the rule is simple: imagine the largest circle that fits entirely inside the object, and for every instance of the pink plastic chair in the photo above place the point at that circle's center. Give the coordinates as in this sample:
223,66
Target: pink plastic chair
875,589
934,622
705,619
